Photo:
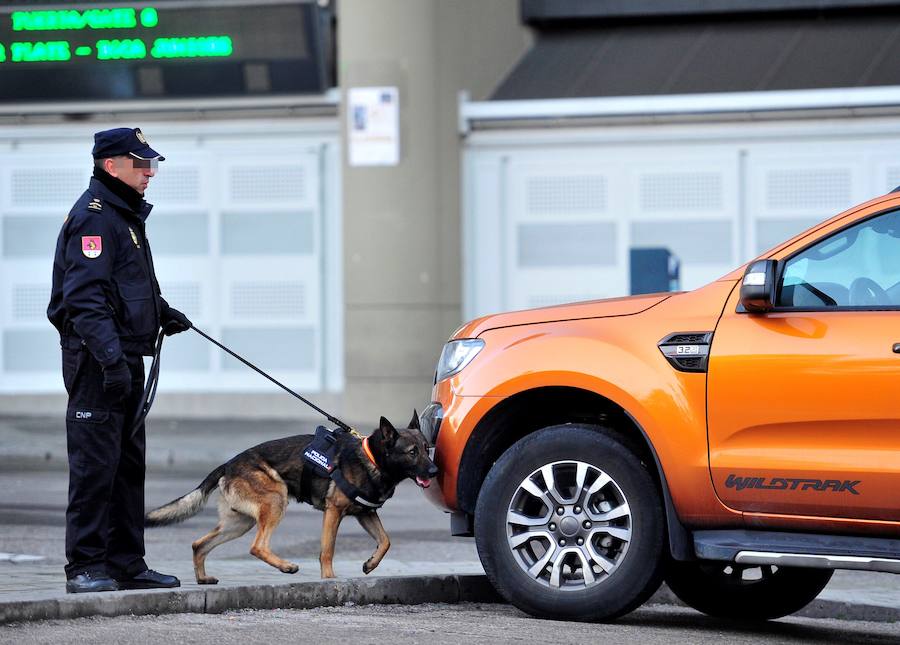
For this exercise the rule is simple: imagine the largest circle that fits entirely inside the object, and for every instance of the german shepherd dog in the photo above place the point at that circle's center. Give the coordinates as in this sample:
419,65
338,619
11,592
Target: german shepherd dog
256,485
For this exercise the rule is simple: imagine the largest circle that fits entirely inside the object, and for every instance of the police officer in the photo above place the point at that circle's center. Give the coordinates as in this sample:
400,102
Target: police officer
108,309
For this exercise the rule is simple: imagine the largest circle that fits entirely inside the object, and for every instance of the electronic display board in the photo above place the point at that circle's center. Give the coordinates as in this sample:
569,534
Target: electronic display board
166,49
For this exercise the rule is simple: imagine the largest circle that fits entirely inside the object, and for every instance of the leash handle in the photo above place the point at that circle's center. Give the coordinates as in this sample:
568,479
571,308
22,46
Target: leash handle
284,387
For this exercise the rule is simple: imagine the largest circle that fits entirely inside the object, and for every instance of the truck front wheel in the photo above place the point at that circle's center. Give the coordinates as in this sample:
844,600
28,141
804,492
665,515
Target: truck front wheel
755,592
569,524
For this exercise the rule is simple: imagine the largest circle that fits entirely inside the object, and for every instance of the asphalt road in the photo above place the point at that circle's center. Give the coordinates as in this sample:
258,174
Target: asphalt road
439,624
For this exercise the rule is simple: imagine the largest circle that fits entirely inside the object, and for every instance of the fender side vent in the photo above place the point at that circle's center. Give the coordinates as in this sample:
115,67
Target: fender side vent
687,351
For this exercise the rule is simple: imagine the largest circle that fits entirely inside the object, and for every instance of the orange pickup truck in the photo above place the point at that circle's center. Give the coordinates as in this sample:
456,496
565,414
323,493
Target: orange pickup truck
740,441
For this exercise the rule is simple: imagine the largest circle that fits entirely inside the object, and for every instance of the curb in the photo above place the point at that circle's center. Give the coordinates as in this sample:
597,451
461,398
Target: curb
405,590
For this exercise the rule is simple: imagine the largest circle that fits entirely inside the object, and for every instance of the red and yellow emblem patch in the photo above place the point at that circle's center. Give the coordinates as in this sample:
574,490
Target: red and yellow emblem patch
91,246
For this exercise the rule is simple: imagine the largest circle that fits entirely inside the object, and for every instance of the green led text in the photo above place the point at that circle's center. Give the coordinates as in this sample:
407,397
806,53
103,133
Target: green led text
118,49
191,47
121,49
39,52
149,17
63,19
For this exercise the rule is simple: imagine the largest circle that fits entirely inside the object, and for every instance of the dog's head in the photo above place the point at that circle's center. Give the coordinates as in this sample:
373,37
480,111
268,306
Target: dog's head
404,452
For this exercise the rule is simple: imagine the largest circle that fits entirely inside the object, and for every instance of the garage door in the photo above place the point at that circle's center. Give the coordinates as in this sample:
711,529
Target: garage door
238,230
548,223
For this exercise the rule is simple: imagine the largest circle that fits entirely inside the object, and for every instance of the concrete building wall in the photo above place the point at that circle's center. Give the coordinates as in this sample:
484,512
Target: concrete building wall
402,223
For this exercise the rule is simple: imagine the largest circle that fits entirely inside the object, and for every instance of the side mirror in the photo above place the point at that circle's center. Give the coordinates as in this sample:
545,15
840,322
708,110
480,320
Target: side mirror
758,287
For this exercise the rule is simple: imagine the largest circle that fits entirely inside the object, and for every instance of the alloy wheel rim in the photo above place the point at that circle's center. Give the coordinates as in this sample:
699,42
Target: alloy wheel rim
568,525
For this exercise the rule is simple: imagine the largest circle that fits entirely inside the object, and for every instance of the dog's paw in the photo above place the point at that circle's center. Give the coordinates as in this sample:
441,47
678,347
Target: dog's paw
208,580
368,567
290,568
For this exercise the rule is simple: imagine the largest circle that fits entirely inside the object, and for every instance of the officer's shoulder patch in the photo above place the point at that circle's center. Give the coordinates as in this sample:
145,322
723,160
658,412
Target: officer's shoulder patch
91,246
95,204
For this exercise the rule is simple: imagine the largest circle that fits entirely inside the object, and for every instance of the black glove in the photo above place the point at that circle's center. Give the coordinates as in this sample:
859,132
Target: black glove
176,322
117,379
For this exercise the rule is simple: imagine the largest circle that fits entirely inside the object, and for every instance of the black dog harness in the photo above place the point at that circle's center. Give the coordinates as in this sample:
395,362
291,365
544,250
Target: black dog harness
321,460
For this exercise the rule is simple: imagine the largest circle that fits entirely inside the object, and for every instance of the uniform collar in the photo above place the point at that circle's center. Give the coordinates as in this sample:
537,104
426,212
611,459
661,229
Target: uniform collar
119,195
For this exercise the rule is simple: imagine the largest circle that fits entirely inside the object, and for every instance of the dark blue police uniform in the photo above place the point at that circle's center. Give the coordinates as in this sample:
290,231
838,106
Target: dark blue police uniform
107,306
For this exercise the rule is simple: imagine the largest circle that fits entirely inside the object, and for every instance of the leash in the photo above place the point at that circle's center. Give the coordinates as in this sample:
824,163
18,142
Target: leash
284,387
150,389
153,381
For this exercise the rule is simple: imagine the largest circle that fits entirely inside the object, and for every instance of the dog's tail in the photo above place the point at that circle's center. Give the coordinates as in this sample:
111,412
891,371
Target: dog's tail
185,506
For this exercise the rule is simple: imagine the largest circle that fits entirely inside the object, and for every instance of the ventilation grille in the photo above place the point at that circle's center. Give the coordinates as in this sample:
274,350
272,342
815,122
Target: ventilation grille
697,241
772,232
31,350
825,188
290,349
47,186
268,299
31,236
681,191
268,233
181,185
573,194
566,245
686,339
185,297
687,351
268,184
30,301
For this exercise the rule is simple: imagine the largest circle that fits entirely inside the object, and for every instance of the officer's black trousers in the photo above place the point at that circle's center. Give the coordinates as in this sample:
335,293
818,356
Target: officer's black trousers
105,517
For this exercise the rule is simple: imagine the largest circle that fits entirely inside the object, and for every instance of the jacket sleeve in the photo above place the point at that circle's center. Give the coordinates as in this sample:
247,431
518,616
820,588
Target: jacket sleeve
87,282
163,310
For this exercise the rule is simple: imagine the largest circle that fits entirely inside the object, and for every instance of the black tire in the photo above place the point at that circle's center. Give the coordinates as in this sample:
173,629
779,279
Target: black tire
569,586
752,592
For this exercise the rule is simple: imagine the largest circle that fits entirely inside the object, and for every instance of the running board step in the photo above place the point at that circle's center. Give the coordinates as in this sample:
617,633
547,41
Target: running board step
799,550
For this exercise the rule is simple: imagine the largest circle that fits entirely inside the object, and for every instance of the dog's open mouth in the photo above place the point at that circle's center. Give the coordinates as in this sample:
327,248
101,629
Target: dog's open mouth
423,483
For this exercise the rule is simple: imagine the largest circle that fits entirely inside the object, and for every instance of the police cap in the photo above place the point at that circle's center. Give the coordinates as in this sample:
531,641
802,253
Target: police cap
123,141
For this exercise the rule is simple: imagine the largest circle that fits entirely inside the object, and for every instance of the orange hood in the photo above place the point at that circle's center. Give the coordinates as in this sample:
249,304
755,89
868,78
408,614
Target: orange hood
577,310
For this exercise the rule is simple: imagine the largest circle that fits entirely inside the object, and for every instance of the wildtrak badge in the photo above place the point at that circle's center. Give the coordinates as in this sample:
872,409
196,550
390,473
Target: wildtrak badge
791,483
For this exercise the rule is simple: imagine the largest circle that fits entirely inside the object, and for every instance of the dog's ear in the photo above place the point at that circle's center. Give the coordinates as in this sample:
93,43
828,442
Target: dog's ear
388,433
414,424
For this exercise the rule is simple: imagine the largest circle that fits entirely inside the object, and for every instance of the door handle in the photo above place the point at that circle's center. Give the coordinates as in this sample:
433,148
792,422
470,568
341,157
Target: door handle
897,348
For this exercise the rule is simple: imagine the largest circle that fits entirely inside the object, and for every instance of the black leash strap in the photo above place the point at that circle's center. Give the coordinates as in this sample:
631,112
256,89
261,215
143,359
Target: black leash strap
334,420
150,388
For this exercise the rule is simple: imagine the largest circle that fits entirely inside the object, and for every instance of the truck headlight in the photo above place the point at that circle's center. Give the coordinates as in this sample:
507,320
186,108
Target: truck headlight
456,355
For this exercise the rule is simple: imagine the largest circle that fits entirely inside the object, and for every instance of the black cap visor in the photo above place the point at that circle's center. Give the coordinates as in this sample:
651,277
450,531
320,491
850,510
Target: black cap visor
146,158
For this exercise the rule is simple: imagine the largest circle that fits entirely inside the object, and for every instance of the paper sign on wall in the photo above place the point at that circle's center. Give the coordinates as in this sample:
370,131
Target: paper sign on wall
373,123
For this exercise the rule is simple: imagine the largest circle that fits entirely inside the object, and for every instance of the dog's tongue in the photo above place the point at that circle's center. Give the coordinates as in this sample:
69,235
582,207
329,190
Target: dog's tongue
424,483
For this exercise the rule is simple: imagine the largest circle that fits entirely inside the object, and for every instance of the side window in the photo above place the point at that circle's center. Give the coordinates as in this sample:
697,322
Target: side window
857,267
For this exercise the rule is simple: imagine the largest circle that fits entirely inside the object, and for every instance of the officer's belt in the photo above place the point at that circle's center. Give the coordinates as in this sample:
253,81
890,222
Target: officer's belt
128,346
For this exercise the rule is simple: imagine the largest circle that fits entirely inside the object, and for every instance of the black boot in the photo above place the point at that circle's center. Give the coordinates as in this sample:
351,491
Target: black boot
149,579
88,581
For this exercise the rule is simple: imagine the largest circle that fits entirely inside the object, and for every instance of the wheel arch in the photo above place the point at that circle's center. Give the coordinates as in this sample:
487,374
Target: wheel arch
525,412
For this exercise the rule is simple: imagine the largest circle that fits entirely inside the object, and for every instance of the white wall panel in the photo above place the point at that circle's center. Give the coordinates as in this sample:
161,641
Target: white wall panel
715,195
239,233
